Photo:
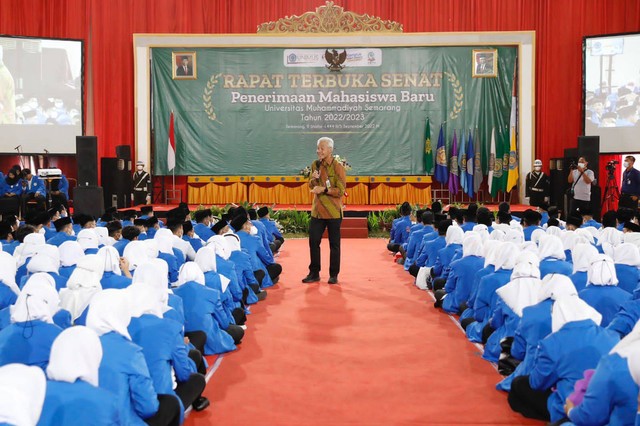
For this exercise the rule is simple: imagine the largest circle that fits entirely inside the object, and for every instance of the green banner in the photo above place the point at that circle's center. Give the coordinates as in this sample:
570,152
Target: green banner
250,111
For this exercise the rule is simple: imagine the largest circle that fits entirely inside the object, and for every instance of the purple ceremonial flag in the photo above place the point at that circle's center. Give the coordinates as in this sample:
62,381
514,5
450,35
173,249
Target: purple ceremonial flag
454,172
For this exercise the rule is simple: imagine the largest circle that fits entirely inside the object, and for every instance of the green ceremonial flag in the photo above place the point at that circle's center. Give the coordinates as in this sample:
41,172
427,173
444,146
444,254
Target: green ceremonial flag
428,151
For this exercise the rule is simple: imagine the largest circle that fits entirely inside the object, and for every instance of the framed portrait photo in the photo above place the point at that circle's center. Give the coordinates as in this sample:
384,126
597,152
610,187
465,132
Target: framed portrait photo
184,65
485,63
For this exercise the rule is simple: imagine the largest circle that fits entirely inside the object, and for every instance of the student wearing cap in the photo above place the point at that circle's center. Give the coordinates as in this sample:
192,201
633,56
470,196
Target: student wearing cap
259,256
141,224
128,217
204,219
129,233
530,222
64,232
263,235
630,189
274,233
189,235
537,185
141,185
470,217
587,218
573,222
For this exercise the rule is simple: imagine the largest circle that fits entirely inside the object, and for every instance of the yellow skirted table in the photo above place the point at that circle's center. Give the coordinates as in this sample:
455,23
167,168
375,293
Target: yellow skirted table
361,190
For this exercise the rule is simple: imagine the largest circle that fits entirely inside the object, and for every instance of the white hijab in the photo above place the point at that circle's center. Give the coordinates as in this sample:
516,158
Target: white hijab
220,245
632,237
556,286
206,259
103,236
70,253
110,259
629,344
497,235
154,272
584,232
28,247
482,230
627,254
523,289
8,269
570,239
472,244
610,236
551,246
82,285
454,235
38,300
139,252
190,271
582,255
233,241
529,246
109,311
593,231
75,354
602,271
554,230
527,256
164,239
46,259
537,234
569,309
22,392
502,227
146,299
88,238
506,256
490,250
515,236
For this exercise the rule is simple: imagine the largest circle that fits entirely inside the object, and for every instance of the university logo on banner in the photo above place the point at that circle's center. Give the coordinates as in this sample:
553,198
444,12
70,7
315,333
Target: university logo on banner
441,156
497,167
492,162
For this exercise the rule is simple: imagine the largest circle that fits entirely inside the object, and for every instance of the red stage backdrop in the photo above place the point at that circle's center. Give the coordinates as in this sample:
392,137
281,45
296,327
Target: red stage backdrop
107,26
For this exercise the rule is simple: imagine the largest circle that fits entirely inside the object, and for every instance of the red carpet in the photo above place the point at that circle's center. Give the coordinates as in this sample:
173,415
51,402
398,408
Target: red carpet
372,350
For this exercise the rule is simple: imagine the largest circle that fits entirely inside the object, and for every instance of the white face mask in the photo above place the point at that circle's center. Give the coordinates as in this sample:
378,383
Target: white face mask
625,164
581,165
254,230
139,168
537,168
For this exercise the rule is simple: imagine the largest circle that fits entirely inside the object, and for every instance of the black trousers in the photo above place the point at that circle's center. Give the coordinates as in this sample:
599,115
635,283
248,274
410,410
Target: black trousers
528,402
168,413
577,204
190,390
274,270
197,339
393,248
25,198
139,197
628,202
196,357
413,270
316,229
60,199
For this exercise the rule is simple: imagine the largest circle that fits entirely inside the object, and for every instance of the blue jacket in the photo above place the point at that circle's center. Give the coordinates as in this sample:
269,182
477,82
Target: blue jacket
120,245
60,237
579,280
263,237
485,302
124,372
111,280
203,231
444,257
468,226
27,343
428,236
61,281
612,395
272,229
528,230
228,268
201,304
606,299
224,301
555,266
172,263
7,296
37,186
591,222
504,323
16,188
9,246
469,313
78,403
628,277
257,253
415,240
244,270
196,243
534,326
556,365
460,281
626,318
429,253
163,347
399,233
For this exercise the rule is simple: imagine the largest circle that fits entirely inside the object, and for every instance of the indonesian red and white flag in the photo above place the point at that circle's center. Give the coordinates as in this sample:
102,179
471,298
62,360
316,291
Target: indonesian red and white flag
171,146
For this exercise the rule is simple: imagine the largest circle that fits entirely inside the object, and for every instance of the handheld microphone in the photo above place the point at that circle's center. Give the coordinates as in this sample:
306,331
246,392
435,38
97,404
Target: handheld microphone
318,163
17,147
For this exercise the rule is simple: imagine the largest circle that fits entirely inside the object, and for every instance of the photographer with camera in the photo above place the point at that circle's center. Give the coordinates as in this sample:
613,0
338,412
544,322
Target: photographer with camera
630,190
580,179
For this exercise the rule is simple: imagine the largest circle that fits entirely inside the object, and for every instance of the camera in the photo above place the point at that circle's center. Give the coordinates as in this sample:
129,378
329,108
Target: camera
611,166
573,165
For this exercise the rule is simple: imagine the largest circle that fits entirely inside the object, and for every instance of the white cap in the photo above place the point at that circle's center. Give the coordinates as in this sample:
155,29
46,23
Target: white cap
140,163
537,163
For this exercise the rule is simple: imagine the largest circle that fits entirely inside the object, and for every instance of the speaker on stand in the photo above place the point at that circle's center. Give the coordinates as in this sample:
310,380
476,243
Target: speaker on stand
87,196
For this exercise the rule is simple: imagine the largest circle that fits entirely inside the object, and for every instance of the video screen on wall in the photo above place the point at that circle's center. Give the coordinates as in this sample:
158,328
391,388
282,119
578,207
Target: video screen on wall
40,95
612,91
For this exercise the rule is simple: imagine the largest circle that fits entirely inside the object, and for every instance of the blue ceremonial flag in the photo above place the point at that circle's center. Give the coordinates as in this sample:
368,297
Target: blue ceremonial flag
454,178
462,162
470,167
442,168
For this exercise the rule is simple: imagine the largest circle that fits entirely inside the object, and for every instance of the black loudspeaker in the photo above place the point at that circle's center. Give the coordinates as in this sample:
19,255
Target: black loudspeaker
88,200
589,148
117,183
87,159
123,151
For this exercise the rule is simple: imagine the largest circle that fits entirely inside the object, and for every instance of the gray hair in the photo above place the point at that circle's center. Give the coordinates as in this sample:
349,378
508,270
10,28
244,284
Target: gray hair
328,140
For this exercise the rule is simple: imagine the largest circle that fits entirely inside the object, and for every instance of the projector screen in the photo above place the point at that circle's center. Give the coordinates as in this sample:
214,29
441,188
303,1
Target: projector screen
612,91
40,95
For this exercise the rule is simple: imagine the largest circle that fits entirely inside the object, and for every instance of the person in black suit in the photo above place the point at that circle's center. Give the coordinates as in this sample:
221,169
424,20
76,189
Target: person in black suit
485,64
185,69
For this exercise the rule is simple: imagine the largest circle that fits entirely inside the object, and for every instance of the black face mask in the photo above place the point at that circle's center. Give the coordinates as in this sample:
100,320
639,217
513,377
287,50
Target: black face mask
12,181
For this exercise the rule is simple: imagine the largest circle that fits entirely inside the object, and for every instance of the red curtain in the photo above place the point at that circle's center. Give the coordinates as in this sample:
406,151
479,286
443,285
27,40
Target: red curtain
108,26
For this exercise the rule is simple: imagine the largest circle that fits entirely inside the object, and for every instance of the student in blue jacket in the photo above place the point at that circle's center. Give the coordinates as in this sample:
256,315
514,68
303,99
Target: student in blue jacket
163,347
251,292
399,228
29,337
272,228
32,189
415,239
602,291
552,257
626,257
73,394
202,308
23,389
582,255
9,290
203,224
574,329
227,267
486,298
259,257
123,369
453,241
431,245
463,270
612,395
114,275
